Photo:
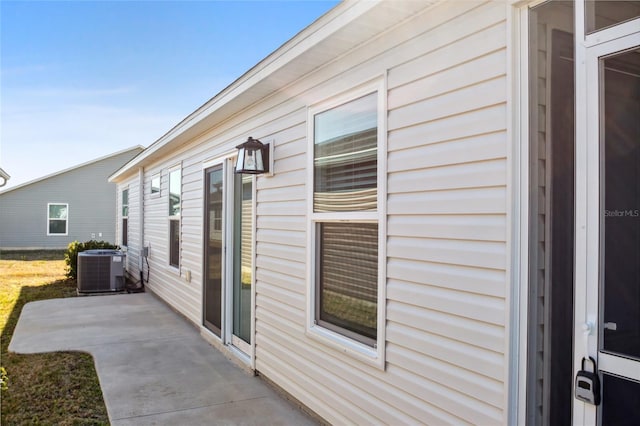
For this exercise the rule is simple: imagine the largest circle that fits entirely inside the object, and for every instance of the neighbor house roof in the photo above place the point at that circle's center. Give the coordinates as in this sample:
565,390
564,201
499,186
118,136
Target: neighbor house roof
331,36
137,147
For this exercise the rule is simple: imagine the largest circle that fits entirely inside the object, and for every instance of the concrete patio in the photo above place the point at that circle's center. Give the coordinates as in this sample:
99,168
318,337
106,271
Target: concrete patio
153,366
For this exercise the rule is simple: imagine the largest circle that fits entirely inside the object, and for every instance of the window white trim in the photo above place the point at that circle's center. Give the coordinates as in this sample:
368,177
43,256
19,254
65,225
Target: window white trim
174,217
219,159
227,341
66,228
371,355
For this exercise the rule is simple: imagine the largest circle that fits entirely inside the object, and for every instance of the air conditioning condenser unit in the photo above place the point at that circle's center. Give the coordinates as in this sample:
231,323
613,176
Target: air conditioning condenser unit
100,271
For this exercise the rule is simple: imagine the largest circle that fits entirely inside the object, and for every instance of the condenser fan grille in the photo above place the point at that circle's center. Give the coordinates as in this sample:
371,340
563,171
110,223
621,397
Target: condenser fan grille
100,271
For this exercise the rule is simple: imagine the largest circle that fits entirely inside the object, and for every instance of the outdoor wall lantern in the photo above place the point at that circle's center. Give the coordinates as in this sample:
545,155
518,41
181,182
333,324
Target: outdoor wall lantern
253,157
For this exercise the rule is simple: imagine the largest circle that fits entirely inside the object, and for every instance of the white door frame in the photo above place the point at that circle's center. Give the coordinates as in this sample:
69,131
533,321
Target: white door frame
241,349
586,215
221,161
228,337
588,202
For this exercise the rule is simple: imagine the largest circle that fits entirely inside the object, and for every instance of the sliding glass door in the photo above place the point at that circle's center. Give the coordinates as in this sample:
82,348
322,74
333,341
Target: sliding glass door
213,248
242,260
228,255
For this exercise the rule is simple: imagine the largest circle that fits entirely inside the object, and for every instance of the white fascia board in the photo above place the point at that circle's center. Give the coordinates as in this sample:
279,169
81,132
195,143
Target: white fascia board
338,17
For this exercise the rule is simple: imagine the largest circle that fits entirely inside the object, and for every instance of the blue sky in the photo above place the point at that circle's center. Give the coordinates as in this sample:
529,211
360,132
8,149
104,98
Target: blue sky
83,79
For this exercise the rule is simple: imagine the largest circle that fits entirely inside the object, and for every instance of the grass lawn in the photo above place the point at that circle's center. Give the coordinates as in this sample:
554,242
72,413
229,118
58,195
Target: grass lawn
54,388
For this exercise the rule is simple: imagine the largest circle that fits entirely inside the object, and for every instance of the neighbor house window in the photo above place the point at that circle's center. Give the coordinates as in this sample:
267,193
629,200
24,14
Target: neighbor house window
125,217
175,190
57,218
345,217
155,184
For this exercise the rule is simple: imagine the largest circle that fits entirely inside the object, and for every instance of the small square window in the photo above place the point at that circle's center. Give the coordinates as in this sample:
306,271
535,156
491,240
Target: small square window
155,184
175,187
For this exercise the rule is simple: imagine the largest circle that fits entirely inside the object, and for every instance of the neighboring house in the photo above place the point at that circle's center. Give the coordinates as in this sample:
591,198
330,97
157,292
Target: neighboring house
444,171
4,178
74,204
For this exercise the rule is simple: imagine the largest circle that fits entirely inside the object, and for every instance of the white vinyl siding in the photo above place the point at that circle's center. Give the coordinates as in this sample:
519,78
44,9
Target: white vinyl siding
446,252
447,177
447,225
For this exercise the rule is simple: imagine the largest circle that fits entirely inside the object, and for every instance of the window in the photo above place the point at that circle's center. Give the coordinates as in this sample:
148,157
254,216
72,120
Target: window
345,157
603,14
174,243
347,278
155,184
347,288
125,217
175,189
57,218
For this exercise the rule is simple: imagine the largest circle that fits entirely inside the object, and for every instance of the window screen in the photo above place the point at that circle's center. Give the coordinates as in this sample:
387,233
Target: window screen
348,277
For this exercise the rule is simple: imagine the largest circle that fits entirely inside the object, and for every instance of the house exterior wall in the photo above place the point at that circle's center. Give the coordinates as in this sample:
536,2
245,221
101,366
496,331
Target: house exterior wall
445,71
167,281
23,210
446,251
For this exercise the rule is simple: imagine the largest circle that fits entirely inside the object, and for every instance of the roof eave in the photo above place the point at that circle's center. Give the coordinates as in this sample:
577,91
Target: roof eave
316,32
246,90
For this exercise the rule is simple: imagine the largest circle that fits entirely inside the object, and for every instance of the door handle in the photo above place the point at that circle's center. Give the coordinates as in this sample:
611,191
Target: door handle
610,326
